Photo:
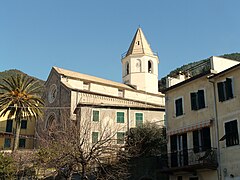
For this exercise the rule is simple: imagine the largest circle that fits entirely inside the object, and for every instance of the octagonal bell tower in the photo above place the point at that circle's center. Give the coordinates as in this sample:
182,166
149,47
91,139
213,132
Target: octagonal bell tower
140,65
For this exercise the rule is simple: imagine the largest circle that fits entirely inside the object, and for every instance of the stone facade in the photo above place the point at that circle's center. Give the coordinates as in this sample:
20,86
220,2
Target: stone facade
79,96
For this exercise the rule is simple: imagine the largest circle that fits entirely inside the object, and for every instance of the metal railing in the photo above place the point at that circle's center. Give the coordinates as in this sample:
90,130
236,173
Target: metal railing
189,159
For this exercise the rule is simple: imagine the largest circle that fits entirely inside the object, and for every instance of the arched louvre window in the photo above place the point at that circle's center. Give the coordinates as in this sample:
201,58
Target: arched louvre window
150,70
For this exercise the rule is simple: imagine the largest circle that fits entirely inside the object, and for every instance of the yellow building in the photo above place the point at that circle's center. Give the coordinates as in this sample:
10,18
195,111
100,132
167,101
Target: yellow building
199,109
27,134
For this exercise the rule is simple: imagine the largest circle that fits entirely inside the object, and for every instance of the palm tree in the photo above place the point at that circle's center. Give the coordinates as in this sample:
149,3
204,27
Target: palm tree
20,99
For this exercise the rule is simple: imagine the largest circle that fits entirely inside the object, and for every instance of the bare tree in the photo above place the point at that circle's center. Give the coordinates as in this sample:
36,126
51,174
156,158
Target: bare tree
67,146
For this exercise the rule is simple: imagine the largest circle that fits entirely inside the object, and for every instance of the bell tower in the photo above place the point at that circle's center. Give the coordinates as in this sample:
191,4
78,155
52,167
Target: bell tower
140,65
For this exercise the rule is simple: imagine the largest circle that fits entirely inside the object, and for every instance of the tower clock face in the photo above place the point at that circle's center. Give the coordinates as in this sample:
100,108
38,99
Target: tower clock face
52,94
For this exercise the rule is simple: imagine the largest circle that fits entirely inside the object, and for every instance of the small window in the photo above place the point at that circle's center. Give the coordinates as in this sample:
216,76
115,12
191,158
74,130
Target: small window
225,90
197,100
127,68
85,86
7,143
120,117
150,67
201,140
179,106
22,143
23,124
139,119
120,137
9,125
94,137
231,132
95,115
120,93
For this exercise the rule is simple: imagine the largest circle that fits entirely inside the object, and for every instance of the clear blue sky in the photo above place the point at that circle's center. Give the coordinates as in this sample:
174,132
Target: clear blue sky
90,36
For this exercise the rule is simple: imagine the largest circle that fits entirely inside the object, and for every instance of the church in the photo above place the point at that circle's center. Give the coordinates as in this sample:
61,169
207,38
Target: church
125,105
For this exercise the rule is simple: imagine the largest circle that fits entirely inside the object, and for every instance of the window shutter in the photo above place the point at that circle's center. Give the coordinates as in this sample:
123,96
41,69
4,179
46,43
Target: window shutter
194,101
229,92
173,140
179,108
206,140
220,91
201,100
195,141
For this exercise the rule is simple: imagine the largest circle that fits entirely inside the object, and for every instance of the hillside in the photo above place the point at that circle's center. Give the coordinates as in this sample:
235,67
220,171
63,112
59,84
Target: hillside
195,68
11,72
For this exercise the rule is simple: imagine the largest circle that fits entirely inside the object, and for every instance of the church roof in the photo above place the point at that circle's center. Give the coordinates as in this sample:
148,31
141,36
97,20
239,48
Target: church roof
139,44
89,78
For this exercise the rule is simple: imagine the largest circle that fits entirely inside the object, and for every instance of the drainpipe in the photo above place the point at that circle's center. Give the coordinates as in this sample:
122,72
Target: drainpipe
217,130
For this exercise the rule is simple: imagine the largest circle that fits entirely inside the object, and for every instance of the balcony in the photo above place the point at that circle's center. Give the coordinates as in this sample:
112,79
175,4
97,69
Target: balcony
190,161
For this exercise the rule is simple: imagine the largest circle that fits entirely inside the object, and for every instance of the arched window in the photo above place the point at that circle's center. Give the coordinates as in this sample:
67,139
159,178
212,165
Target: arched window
50,121
138,65
150,68
127,68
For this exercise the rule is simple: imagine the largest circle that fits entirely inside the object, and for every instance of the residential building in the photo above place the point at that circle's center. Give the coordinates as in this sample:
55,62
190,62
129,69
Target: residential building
99,101
199,109
7,129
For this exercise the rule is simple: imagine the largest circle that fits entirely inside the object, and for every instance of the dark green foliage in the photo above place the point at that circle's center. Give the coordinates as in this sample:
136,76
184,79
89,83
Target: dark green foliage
7,166
146,140
13,72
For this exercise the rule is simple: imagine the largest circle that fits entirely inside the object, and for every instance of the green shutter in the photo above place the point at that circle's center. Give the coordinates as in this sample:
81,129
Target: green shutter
7,143
201,99
220,86
139,119
120,137
94,137
195,141
228,86
206,141
120,117
95,115
194,101
179,107
22,143
9,125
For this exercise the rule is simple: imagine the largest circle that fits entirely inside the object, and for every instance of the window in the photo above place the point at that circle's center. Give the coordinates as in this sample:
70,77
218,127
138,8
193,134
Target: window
85,86
24,124
94,137
127,68
201,140
9,126
197,100
120,137
120,93
179,107
22,143
120,117
95,115
231,132
139,119
225,90
7,143
150,67
179,150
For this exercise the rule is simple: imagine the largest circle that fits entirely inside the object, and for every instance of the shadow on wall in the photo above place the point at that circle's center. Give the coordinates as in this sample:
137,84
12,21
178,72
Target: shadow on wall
147,168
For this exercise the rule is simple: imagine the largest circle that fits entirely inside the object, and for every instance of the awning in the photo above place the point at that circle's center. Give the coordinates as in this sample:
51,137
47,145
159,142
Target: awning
191,127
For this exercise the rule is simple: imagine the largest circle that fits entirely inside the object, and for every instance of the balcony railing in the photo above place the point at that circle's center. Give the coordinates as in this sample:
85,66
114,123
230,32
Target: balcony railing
188,160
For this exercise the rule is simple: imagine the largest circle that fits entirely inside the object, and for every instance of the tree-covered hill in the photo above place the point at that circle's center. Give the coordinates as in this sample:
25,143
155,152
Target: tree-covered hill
194,68
12,72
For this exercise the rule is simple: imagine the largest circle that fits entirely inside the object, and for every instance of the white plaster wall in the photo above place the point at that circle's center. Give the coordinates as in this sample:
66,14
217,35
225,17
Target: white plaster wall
144,97
104,89
220,64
